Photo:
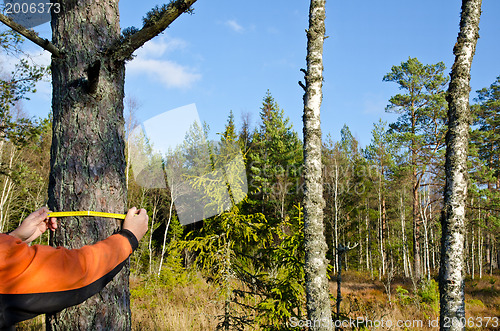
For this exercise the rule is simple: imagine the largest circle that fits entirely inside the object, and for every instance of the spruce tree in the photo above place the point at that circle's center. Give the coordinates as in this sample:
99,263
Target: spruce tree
274,162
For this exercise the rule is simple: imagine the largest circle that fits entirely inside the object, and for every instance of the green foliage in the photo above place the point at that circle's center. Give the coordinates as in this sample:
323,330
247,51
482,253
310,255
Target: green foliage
429,291
173,272
403,295
422,109
282,291
155,14
484,158
274,163
428,294
127,32
14,87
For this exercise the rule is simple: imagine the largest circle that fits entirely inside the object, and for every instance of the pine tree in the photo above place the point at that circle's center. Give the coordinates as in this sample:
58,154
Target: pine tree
87,155
420,127
485,173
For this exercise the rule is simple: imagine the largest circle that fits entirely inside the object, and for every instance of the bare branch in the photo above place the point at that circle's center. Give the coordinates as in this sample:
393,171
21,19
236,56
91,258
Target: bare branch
302,85
31,35
152,27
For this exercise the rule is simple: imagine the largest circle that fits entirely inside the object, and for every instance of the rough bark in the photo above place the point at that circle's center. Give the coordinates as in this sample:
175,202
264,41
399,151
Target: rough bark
87,154
451,282
317,290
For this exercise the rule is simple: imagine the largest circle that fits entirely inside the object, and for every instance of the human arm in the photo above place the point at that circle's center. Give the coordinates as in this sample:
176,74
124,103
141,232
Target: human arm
34,225
41,279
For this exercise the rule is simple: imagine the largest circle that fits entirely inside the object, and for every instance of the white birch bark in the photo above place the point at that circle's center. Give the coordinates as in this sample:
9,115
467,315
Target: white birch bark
367,238
472,251
164,245
336,231
480,245
403,235
451,282
317,289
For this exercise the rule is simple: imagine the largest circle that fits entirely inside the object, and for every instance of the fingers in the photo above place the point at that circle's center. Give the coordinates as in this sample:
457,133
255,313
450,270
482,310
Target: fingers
43,210
137,222
131,212
51,223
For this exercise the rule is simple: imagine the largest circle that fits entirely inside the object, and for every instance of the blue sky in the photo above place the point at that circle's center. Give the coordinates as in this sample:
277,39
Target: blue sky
229,53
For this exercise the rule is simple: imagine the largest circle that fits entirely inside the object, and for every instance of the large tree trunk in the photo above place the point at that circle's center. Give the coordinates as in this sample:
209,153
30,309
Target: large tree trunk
451,280
317,290
87,156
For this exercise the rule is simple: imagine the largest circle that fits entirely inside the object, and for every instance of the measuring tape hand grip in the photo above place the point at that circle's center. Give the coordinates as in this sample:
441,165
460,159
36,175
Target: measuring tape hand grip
86,213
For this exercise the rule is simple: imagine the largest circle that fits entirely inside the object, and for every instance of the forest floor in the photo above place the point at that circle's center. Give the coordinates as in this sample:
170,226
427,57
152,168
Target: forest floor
196,306
193,304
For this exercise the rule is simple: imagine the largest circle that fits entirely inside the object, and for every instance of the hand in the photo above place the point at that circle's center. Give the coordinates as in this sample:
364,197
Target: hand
34,225
136,222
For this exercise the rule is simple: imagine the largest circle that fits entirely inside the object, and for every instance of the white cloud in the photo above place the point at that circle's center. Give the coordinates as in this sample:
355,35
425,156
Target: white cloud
234,26
169,73
150,61
160,46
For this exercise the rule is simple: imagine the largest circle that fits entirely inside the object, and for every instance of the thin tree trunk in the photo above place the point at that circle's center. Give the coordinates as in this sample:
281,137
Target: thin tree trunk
466,252
403,235
472,251
336,215
164,248
433,249
367,238
480,244
317,289
6,194
417,267
151,229
380,229
451,284
360,251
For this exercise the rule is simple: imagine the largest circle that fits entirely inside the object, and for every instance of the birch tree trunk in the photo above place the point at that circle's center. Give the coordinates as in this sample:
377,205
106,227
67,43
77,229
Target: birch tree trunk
317,289
336,218
480,244
451,280
403,235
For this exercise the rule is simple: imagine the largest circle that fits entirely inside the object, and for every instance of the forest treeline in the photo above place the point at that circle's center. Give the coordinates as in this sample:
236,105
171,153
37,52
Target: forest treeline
385,198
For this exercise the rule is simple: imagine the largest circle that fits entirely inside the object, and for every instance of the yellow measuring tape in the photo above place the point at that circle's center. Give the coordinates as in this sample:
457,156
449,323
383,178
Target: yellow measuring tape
86,213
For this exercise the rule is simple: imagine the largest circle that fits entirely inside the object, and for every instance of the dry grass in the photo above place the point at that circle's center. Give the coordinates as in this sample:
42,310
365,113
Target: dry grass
193,305
367,298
